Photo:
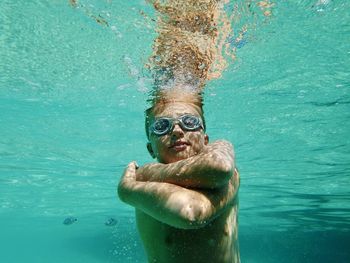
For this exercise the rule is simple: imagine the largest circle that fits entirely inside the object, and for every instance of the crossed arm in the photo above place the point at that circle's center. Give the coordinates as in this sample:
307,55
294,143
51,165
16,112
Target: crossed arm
210,169
166,191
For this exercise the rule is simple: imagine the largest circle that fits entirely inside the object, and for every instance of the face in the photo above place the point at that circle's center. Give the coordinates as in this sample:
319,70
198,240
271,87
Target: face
178,144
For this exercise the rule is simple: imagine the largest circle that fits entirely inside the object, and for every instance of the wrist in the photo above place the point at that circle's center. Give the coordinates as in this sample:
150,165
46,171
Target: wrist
149,172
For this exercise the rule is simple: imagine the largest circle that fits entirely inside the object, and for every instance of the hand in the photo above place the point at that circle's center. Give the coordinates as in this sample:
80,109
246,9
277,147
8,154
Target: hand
129,175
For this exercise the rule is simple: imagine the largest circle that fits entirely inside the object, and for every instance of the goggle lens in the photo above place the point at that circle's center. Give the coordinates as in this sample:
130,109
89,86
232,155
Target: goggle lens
161,126
187,122
190,122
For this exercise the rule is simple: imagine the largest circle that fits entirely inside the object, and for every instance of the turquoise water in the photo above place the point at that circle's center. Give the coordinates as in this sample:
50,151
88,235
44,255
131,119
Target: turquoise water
72,95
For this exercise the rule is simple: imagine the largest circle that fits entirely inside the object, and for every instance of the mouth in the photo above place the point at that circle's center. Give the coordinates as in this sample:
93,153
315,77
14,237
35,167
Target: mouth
179,146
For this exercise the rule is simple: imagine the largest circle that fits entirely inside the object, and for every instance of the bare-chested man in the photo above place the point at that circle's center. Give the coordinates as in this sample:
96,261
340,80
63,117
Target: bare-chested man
187,204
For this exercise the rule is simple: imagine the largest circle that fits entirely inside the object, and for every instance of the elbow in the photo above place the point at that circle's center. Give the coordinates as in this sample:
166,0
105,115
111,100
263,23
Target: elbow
224,164
221,174
189,211
226,169
220,168
193,217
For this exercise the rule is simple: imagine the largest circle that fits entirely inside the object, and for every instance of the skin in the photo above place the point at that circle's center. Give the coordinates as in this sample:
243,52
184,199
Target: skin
187,204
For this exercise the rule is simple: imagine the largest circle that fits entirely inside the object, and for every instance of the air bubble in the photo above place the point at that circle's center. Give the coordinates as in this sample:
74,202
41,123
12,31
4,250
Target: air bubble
157,59
201,66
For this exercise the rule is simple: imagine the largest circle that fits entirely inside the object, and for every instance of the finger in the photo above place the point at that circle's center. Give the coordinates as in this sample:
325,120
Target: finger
130,170
136,165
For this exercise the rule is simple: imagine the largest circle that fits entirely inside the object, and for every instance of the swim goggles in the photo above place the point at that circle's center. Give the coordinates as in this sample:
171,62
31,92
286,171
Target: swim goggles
164,125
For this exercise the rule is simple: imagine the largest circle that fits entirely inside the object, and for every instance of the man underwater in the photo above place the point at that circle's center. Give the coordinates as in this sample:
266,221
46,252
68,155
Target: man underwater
187,204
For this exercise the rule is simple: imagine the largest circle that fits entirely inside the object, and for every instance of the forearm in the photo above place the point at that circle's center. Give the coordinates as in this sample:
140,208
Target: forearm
170,204
210,169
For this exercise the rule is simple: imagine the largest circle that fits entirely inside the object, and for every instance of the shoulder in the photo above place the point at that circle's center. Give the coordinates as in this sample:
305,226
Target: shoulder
221,150
222,146
222,142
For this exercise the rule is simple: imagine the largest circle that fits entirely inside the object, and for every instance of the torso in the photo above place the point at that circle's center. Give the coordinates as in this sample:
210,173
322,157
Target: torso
216,242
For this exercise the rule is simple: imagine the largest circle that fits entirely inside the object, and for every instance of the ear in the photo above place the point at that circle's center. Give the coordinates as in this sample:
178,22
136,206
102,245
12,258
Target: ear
150,150
206,139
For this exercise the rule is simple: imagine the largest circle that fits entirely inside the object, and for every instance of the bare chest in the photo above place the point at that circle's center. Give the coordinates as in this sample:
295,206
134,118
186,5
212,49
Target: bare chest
216,242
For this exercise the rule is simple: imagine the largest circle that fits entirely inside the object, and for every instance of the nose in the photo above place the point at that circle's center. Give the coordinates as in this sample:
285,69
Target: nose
177,131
